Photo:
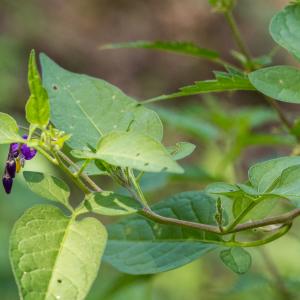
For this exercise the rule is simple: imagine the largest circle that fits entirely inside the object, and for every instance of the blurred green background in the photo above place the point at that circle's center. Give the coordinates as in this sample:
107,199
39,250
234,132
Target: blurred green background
71,32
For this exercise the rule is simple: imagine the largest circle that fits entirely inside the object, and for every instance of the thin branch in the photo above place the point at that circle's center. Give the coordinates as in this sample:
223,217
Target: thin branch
84,176
280,113
282,219
237,35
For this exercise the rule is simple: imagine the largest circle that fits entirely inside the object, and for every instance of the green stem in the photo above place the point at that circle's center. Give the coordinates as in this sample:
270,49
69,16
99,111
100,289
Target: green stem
137,188
76,180
80,171
242,215
84,176
237,36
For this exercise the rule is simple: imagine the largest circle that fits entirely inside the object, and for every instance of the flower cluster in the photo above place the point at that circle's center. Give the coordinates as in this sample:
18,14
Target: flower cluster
17,155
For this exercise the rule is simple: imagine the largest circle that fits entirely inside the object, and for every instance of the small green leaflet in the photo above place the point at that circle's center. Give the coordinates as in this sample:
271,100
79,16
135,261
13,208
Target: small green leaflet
138,245
8,130
187,48
284,29
38,106
181,150
89,108
133,150
48,187
263,175
236,259
110,204
278,82
223,82
54,256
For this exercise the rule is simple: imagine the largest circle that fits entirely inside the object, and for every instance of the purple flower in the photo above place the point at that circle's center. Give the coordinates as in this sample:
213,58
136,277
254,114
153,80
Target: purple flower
7,183
28,153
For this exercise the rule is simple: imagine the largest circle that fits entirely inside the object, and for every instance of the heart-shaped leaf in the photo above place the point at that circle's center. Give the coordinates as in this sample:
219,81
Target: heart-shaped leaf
54,256
89,108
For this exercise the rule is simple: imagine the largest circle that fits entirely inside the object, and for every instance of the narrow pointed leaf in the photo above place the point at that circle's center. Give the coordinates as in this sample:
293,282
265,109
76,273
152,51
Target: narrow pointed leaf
89,108
138,245
38,106
48,187
54,256
223,82
187,48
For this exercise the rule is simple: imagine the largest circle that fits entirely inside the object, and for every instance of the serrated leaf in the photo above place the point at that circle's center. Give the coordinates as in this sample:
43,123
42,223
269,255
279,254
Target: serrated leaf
48,187
263,175
223,82
38,106
89,108
181,150
236,259
140,246
54,256
284,29
133,150
187,48
8,130
278,82
110,204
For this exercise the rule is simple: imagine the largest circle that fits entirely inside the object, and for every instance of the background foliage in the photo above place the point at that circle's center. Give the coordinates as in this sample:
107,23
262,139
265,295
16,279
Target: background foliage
74,34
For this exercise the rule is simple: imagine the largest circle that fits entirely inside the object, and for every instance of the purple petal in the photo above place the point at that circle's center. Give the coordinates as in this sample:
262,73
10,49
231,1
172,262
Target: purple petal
7,183
29,153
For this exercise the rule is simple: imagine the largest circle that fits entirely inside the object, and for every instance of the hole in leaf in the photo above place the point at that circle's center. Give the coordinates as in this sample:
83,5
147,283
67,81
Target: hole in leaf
138,154
55,87
164,169
59,280
146,164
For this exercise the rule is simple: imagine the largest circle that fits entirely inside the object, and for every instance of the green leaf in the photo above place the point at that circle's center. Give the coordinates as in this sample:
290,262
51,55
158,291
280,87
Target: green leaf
38,105
181,150
279,82
284,29
187,48
133,150
223,82
48,187
89,108
140,246
54,256
237,259
8,130
110,204
263,175
288,186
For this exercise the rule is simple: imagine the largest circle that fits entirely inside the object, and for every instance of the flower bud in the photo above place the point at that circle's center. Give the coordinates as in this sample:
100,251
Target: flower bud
11,168
7,183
